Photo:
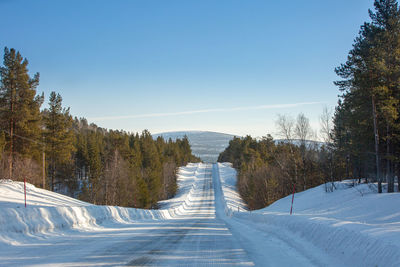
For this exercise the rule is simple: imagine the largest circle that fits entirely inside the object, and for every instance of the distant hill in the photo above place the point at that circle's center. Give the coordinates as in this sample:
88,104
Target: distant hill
206,145
297,142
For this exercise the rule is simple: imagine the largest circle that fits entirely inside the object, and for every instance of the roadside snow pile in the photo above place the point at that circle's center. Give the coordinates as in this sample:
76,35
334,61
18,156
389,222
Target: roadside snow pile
190,183
48,211
186,183
12,195
227,176
354,224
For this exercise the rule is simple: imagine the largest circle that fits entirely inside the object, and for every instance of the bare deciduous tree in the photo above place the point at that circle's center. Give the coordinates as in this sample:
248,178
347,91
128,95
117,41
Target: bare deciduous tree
303,134
325,122
285,125
23,168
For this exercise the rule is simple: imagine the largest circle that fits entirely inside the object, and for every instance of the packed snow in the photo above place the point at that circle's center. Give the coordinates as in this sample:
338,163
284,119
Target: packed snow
227,177
355,224
59,231
352,224
207,223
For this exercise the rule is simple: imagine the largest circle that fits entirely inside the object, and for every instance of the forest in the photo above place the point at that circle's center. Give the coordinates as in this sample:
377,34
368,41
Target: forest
270,169
360,139
51,149
363,140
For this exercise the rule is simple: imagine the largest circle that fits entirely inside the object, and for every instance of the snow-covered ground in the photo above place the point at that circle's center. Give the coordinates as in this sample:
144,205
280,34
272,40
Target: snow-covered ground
266,244
205,224
230,196
60,231
355,226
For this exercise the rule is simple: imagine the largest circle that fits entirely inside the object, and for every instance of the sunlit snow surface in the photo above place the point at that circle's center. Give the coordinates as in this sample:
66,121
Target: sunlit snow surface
205,224
184,232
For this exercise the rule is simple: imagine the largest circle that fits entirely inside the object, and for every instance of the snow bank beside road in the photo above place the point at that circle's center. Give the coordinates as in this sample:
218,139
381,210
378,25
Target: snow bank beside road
43,217
361,229
48,211
355,225
226,191
227,176
186,182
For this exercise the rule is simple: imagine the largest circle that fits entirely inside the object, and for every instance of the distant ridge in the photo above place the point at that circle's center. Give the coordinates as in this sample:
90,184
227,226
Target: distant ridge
206,145
298,142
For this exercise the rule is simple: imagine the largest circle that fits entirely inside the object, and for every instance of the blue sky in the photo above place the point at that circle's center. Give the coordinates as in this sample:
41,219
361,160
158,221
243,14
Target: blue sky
227,65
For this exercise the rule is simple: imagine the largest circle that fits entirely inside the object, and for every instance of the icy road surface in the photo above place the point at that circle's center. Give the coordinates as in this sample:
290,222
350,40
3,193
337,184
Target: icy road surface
200,234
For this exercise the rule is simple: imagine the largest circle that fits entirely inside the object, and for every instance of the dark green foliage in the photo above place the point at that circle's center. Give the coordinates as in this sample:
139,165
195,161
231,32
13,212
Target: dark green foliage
127,169
58,137
266,171
101,166
370,102
19,110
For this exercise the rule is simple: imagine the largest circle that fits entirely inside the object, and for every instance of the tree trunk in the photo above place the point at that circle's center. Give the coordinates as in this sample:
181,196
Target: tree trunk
378,177
44,168
389,175
53,173
11,158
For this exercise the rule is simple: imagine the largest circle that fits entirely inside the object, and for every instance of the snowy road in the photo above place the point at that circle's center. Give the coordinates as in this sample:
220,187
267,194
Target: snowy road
199,235
195,238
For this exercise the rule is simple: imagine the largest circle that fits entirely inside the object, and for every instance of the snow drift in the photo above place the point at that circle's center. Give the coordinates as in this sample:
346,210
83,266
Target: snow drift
353,224
47,211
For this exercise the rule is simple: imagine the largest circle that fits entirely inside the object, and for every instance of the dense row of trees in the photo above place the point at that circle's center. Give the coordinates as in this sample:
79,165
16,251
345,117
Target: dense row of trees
362,142
127,169
53,150
271,169
366,122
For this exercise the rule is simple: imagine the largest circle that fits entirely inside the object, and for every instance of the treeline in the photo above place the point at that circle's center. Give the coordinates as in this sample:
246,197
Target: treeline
366,122
271,169
53,150
363,141
125,169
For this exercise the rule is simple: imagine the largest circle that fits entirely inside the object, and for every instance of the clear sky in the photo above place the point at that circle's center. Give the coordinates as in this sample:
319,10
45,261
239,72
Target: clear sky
218,65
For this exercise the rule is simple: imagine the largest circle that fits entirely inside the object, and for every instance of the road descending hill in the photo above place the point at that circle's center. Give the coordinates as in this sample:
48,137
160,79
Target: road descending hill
205,224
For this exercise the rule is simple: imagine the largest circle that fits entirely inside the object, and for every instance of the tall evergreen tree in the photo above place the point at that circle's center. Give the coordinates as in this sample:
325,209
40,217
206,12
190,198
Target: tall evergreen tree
59,138
152,168
369,109
19,107
95,165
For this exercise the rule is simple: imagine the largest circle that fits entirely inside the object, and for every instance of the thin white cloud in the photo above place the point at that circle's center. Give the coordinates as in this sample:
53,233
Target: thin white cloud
190,112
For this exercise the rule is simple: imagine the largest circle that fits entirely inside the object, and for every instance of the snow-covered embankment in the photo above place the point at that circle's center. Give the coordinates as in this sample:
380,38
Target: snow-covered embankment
355,225
48,212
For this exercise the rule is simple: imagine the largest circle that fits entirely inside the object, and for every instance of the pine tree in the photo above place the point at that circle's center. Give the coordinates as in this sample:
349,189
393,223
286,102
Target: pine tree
370,86
151,166
95,165
19,108
59,138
